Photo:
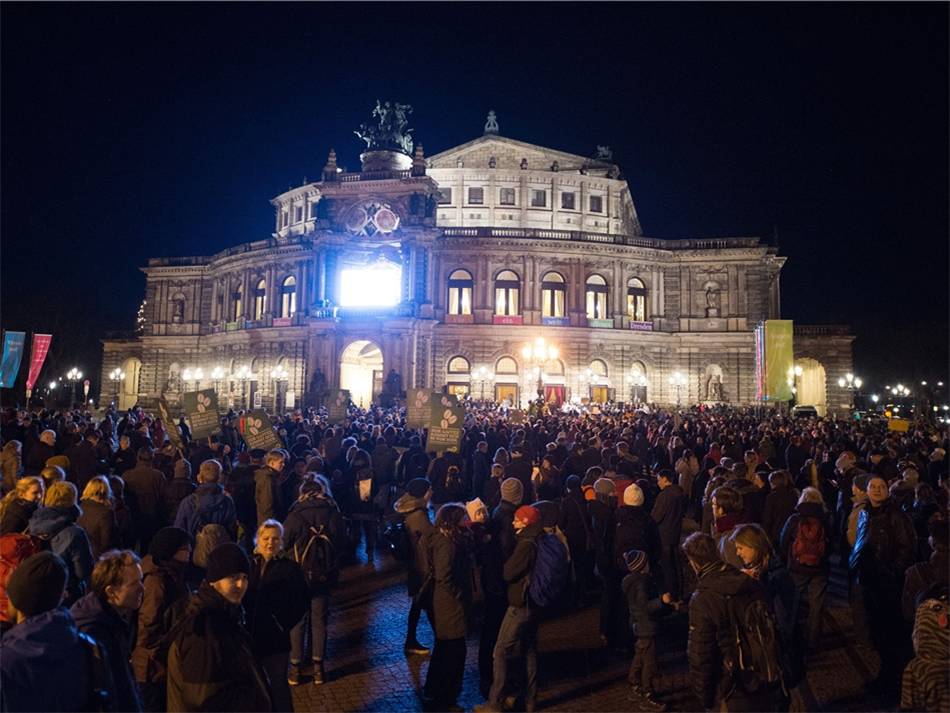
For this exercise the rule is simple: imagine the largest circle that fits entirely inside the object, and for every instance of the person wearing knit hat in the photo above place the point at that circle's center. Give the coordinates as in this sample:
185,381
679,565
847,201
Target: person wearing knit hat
633,495
526,515
636,561
169,542
477,512
418,487
43,641
512,491
644,606
413,508
228,561
605,488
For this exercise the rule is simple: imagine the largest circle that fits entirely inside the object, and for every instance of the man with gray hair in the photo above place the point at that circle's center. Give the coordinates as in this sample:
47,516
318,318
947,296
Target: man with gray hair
209,504
39,452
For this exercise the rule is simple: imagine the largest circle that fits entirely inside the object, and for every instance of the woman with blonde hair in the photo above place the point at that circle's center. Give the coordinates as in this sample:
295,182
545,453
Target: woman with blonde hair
56,524
98,516
26,495
16,508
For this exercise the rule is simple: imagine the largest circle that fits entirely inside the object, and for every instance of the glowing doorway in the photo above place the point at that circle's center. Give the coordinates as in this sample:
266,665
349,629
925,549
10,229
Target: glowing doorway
811,385
361,371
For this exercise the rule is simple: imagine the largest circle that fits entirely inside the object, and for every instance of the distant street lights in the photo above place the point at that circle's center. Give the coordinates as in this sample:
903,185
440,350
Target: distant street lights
483,375
73,376
195,375
216,375
850,382
242,375
678,381
278,374
116,376
537,355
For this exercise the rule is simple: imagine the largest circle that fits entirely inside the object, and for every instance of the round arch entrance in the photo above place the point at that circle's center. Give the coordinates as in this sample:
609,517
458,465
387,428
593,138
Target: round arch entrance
129,387
361,371
811,385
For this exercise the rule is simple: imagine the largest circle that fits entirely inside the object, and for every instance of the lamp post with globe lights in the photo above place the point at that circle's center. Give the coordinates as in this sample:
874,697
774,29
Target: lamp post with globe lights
73,376
483,375
537,355
852,384
678,381
216,375
639,385
278,374
116,376
242,375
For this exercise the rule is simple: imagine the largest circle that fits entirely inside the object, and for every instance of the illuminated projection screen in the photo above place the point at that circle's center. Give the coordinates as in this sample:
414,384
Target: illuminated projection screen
372,286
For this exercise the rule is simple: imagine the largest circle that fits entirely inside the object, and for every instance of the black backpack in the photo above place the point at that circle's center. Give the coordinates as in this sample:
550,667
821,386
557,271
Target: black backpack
759,661
396,537
317,558
101,684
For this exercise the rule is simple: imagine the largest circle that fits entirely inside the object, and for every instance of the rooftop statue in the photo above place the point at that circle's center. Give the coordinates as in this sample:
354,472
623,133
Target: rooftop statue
389,128
491,124
604,153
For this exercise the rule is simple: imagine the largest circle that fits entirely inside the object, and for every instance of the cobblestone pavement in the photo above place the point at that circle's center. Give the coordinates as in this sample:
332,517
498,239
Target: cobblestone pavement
367,670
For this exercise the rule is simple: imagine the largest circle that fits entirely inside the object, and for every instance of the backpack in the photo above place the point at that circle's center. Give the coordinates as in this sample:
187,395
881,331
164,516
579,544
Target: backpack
317,559
101,683
758,659
396,537
21,547
808,547
551,574
208,538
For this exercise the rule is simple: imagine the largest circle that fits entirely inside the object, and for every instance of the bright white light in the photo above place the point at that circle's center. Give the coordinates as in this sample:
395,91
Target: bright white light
374,286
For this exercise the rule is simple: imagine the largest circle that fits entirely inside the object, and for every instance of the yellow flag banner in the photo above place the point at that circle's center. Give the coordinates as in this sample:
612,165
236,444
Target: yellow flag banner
902,425
779,359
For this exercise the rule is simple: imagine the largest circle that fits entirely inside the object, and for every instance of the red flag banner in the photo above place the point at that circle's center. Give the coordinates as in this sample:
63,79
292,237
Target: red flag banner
37,357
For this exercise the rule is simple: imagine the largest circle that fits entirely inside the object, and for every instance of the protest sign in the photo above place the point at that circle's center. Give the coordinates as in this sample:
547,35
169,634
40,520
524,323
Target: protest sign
445,424
258,432
336,408
201,407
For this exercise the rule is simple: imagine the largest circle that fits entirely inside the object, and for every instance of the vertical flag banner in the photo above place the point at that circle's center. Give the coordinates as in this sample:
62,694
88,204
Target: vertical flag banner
760,362
778,359
37,357
13,343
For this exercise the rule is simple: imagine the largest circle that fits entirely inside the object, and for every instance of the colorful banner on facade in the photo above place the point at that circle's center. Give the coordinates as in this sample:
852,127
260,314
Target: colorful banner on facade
38,353
171,428
759,336
258,432
201,408
779,359
13,343
337,407
446,418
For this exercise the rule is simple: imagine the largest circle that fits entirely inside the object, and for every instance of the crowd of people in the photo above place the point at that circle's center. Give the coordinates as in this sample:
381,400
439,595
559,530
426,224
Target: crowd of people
201,577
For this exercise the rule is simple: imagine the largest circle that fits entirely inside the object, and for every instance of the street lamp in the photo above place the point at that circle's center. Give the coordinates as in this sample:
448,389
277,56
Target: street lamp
850,382
483,375
243,374
278,374
72,376
115,376
537,355
678,381
195,375
216,375
639,384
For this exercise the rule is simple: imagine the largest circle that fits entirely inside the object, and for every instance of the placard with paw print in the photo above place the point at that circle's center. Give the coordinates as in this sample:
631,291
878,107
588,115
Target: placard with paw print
445,424
201,408
338,405
418,407
258,432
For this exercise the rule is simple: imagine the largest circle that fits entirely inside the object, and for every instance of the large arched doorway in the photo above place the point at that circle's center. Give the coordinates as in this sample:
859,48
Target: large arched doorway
810,385
129,392
361,371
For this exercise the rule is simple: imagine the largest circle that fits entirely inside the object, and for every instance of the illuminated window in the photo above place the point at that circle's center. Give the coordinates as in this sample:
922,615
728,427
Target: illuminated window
288,297
539,199
506,196
554,367
506,365
460,292
238,300
507,292
636,300
552,295
476,196
567,201
598,367
596,297
260,300
459,365
596,204
445,196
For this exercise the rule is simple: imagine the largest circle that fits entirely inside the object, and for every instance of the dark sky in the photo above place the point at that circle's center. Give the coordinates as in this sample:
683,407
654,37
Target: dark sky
134,130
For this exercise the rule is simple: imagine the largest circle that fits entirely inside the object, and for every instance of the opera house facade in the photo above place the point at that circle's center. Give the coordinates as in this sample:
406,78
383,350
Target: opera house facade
496,268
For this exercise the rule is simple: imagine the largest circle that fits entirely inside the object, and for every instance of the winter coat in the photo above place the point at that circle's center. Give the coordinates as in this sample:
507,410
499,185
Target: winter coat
602,524
779,504
241,489
208,504
11,467
574,521
173,493
644,603
103,623
37,654
277,599
520,468
266,494
886,545
925,684
920,577
452,567
14,548
165,593
786,540
143,490
36,458
69,541
711,636
635,530
668,513
123,460
315,512
211,663
416,517
84,462
98,520
518,567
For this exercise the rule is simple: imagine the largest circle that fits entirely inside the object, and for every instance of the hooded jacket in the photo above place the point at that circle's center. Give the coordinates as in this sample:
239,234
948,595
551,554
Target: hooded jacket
211,663
66,539
165,591
711,636
416,516
208,504
37,653
518,567
635,530
103,623
886,545
277,599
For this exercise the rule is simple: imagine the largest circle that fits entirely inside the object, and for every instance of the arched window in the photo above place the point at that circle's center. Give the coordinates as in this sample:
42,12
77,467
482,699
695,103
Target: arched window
598,368
459,365
260,300
238,300
288,297
596,297
555,367
506,366
552,295
460,292
636,300
507,293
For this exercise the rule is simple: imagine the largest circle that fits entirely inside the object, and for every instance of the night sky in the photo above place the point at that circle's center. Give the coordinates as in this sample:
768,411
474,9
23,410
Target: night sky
132,131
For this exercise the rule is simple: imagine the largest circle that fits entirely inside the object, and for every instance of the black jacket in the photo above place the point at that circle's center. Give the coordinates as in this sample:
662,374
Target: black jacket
277,598
84,462
779,504
885,547
787,539
643,602
635,530
574,522
517,570
98,520
314,512
143,490
502,531
668,514
452,567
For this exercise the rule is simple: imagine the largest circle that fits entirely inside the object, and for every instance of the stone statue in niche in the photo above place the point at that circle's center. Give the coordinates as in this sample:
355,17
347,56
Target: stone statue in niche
178,315
714,388
712,301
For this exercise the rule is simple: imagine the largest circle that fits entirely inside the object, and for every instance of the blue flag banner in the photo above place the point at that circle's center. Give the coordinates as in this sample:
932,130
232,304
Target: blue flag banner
12,354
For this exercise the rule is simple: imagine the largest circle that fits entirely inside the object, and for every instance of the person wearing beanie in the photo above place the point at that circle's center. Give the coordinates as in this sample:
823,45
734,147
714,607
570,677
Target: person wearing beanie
512,491
44,640
633,495
211,663
107,614
413,507
491,490
477,512
163,570
174,491
645,605
574,521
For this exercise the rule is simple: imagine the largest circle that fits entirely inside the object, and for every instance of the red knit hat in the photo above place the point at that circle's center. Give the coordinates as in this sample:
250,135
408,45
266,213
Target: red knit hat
528,514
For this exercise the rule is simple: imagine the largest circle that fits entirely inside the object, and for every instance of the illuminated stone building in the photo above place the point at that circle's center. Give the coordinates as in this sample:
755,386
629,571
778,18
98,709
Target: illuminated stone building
442,268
